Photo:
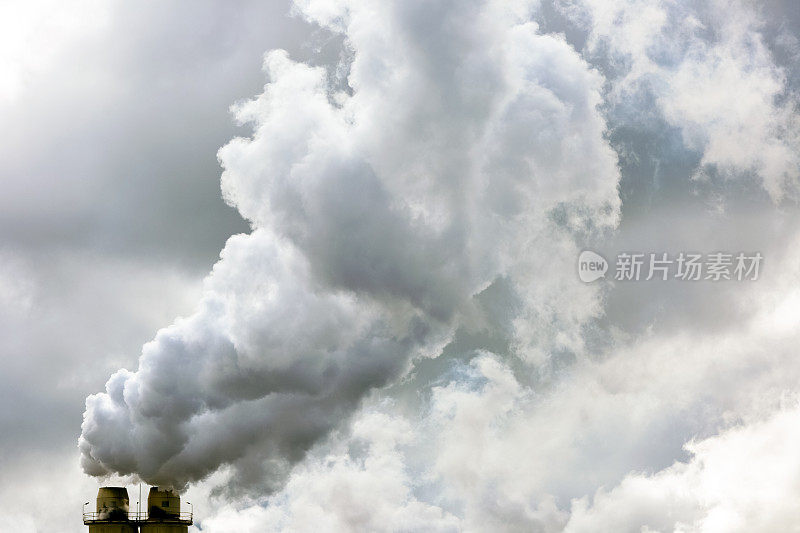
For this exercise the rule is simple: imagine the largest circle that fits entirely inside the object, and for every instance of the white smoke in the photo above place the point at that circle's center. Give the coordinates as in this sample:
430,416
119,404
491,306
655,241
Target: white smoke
466,150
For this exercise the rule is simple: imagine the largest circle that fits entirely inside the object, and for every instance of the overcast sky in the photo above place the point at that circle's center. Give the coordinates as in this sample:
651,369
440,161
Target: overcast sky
315,263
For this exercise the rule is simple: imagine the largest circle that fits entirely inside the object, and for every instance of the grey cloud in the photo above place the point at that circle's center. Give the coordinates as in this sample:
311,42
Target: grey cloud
118,176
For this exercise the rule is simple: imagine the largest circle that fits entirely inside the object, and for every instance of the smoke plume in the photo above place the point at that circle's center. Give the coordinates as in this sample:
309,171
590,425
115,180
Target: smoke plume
402,342
462,148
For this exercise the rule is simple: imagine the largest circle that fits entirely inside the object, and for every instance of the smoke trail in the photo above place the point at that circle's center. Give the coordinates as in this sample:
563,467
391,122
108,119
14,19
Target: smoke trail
465,149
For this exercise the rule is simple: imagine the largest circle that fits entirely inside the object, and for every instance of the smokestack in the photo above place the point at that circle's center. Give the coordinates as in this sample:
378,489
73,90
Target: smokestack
113,515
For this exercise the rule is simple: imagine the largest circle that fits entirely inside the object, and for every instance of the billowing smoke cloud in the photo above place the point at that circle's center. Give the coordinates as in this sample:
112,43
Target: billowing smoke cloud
463,149
401,342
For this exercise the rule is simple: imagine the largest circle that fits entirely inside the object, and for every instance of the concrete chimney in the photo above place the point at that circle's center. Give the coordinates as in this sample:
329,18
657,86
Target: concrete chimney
112,513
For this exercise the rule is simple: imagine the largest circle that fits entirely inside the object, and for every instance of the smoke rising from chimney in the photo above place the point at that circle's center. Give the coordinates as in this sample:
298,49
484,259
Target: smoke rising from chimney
463,151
